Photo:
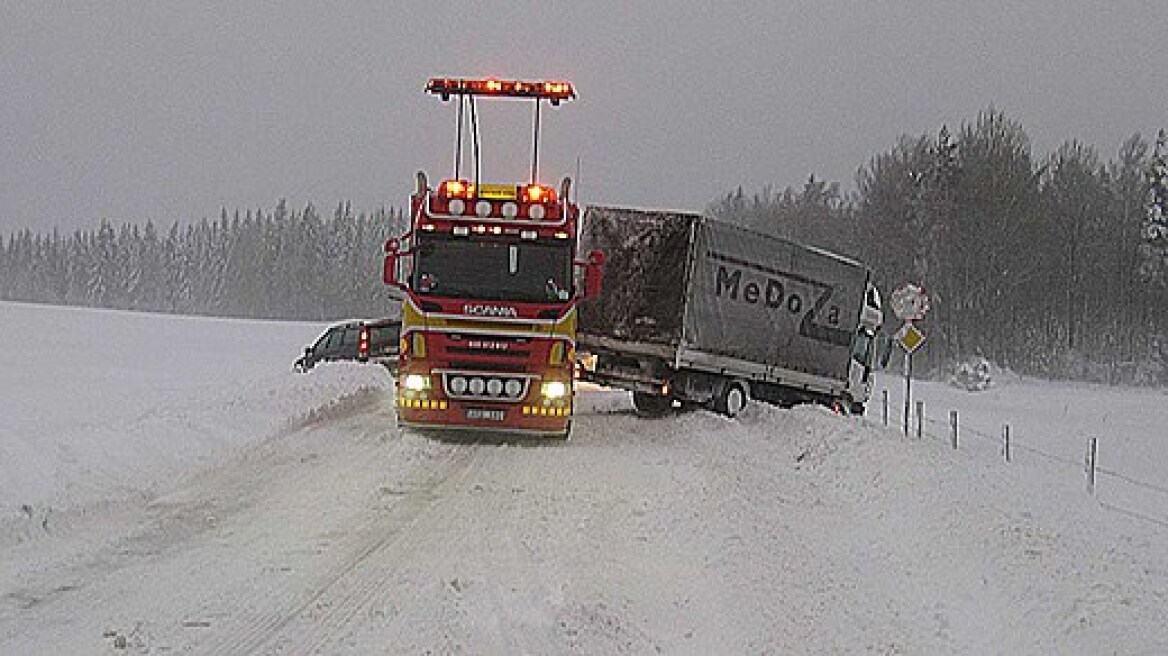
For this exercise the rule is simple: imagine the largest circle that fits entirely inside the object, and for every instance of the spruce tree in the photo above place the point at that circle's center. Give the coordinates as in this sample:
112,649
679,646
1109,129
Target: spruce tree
1154,266
1156,230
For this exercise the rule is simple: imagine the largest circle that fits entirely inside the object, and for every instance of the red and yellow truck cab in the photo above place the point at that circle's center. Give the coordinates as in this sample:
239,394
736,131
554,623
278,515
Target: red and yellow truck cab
489,279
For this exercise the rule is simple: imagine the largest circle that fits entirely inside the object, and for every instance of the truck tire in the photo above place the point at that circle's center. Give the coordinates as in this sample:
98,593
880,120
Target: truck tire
731,399
651,405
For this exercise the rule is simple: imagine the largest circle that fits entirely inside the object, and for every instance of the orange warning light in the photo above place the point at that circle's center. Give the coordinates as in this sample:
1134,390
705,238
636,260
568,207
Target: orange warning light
553,90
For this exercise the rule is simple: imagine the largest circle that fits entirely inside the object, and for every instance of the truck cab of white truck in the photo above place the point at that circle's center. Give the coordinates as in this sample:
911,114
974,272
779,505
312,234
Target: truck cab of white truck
864,350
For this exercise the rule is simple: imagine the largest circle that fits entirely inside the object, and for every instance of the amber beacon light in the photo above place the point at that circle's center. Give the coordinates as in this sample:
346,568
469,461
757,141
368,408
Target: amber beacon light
553,90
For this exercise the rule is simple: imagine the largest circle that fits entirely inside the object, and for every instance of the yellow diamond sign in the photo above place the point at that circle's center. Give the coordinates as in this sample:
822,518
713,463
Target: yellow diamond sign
910,337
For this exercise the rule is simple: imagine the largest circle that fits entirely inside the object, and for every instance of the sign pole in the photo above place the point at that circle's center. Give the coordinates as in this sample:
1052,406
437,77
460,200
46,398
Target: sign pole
907,389
910,303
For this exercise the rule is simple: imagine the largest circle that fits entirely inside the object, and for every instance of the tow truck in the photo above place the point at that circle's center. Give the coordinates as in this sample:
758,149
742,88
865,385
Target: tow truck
489,279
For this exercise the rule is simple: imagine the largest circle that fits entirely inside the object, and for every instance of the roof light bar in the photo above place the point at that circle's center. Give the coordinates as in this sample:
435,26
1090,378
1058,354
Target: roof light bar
463,189
553,90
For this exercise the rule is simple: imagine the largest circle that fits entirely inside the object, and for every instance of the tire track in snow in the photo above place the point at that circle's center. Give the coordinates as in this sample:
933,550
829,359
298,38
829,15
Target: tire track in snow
311,622
184,547
353,593
287,470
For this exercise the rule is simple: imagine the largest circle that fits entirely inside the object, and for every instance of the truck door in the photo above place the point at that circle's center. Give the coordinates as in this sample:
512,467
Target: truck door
350,339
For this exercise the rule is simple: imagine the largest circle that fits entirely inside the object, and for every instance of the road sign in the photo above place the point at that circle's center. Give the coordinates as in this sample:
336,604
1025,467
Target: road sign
910,337
910,302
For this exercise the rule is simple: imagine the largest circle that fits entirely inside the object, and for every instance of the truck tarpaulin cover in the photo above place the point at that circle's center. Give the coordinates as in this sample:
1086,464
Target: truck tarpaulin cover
752,296
646,254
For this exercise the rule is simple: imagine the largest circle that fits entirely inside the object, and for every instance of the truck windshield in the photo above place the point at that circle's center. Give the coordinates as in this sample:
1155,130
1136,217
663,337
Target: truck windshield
493,269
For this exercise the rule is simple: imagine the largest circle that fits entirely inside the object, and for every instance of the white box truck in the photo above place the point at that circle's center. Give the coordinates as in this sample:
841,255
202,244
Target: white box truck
701,312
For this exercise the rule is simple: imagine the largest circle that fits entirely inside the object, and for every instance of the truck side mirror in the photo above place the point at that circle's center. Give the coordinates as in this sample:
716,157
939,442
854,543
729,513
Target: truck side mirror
594,274
389,273
565,189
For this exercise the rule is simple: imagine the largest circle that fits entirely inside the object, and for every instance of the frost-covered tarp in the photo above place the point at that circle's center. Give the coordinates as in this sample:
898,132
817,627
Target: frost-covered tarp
644,275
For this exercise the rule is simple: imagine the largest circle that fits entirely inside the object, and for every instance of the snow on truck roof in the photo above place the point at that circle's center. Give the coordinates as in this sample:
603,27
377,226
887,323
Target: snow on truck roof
682,215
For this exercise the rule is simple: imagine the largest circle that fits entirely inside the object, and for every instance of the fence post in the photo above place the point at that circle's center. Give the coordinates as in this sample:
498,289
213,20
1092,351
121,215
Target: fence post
953,424
1092,457
885,407
920,419
1007,441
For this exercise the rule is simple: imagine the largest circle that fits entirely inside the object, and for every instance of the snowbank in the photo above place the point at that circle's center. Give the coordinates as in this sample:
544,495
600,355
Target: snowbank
100,405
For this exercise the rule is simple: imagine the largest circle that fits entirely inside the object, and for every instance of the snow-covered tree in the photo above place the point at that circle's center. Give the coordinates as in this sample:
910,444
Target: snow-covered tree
1155,250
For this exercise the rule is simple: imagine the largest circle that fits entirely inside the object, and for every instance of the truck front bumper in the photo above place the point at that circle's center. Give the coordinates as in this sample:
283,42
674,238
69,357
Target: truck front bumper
520,418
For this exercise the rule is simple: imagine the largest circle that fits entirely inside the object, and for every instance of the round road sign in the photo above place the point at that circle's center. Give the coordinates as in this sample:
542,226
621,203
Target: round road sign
910,302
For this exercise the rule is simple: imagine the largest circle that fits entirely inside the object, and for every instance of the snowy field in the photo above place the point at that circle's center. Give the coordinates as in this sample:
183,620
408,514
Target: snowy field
168,485
1051,426
100,406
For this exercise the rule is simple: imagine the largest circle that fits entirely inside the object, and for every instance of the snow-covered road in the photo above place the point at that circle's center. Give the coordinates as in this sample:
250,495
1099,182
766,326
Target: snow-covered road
780,532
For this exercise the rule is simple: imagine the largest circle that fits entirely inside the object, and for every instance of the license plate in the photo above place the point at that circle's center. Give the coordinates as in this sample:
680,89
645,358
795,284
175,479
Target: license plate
481,413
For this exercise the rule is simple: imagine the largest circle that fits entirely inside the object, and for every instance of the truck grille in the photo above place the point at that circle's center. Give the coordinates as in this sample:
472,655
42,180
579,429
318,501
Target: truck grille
483,386
487,368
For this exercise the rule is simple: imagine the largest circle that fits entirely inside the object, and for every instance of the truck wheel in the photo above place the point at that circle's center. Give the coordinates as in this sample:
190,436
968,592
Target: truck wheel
651,405
731,399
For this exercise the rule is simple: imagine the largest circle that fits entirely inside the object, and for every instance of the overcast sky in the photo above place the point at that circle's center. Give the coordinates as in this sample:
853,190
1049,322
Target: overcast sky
171,110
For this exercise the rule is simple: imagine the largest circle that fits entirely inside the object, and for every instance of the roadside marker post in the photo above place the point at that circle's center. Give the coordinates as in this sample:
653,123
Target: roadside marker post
1092,459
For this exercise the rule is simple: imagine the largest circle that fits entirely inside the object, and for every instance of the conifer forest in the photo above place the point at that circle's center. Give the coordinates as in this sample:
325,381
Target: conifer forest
1049,264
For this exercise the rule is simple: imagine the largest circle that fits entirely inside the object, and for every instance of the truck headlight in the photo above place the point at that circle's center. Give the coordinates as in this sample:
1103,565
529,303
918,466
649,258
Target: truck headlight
416,382
555,389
